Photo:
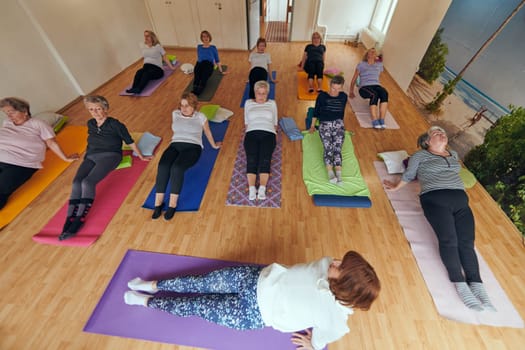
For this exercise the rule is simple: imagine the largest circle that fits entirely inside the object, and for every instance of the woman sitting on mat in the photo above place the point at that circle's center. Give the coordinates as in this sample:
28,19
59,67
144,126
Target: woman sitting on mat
330,110
445,205
260,62
313,62
368,72
183,152
154,55
207,61
318,295
23,142
260,120
103,154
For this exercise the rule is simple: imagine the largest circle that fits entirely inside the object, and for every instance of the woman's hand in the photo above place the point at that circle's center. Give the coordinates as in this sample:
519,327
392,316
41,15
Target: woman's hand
312,129
351,93
71,157
145,158
217,145
303,341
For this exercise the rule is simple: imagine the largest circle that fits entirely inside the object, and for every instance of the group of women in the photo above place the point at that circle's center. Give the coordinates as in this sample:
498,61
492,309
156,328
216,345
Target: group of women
318,295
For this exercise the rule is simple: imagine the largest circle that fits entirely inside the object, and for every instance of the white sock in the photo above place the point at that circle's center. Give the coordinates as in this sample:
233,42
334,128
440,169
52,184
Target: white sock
331,177
136,298
252,193
338,175
467,297
478,289
139,284
262,192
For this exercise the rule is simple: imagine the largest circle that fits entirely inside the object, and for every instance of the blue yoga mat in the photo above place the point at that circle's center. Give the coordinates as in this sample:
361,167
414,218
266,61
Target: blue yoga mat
196,178
271,94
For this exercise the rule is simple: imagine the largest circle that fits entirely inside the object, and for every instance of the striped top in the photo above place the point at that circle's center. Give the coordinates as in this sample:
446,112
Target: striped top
434,172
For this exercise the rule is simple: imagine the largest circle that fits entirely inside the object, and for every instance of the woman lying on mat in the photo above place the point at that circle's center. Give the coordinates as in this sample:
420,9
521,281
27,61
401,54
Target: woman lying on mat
103,154
445,205
207,61
23,142
260,62
260,119
313,61
330,110
154,55
183,152
318,295
369,87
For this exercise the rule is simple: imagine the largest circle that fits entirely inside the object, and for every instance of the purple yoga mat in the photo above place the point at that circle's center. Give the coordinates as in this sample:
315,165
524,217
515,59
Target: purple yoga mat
113,317
153,84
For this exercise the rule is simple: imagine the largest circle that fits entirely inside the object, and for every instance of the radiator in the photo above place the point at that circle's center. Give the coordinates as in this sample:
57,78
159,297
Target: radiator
370,39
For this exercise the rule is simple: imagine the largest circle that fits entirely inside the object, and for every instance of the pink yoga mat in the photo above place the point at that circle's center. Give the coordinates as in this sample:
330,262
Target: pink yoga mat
153,84
111,192
361,108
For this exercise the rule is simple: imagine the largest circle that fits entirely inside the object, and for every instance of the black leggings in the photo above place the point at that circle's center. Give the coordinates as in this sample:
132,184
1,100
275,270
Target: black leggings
12,177
259,146
176,159
145,74
314,68
450,216
201,73
375,93
257,74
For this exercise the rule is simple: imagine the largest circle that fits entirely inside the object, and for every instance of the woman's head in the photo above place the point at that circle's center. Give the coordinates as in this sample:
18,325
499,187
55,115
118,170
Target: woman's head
261,90
357,284
336,85
205,35
261,44
317,38
438,133
15,104
97,106
370,54
188,103
149,35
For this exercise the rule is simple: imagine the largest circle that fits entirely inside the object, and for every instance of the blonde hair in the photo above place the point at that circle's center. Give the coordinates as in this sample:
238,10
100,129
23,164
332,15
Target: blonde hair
153,36
317,34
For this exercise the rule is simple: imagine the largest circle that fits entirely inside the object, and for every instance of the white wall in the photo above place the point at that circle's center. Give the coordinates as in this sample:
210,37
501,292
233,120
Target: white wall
56,50
344,19
303,19
276,10
413,25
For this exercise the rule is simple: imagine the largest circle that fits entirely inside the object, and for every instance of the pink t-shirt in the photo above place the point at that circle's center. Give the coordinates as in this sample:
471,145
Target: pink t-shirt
24,145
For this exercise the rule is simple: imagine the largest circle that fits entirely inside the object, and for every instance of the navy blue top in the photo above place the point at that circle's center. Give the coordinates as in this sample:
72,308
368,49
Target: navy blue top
108,137
328,108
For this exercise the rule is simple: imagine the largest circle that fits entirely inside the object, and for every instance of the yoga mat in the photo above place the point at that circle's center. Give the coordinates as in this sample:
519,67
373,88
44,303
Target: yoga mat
211,85
113,317
111,193
314,170
72,139
302,87
271,94
423,242
361,108
196,178
238,191
153,84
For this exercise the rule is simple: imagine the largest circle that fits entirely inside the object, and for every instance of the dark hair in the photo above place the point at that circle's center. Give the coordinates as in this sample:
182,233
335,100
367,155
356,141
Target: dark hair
338,79
260,41
17,103
357,285
100,100
191,98
207,33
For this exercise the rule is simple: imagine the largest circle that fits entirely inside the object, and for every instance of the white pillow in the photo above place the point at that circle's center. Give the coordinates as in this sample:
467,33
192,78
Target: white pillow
51,118
187,68
221,115
394,161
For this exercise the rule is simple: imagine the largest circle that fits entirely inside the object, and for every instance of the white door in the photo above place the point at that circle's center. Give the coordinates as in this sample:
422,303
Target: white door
163,24
183,17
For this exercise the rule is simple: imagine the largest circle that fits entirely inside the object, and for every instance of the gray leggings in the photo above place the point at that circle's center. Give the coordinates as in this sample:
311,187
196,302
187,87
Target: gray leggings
93,169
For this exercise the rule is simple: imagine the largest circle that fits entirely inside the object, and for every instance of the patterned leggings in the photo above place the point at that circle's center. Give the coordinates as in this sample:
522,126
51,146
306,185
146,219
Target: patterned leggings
226,297
332,136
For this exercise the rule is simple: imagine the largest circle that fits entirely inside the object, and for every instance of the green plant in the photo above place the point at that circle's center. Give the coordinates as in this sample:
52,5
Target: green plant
499,164
433,62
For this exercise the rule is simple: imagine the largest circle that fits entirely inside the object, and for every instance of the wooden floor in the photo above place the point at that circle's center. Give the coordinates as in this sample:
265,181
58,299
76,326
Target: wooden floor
49,292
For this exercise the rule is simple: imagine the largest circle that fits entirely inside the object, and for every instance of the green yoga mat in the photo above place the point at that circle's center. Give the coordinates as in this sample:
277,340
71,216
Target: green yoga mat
211,85
314,170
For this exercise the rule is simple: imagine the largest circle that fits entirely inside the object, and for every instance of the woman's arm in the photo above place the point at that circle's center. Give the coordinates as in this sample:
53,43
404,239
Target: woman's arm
312,126
303,60
209,136
167,61
138,152
352,84
55,147
394,185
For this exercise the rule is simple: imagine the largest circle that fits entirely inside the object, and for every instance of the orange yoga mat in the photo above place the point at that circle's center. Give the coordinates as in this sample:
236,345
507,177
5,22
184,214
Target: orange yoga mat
72,139
302,87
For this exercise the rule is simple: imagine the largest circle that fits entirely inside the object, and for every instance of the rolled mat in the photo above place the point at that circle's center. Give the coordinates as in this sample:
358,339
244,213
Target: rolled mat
238,190
361,108
302,87
424,245
111,193
314,170
113,317
290,128
211,85
153,84
271,94
72,139
196,178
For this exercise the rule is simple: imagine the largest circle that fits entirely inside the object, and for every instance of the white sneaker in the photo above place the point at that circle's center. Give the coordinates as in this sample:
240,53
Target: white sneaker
333,180
252,194
261,194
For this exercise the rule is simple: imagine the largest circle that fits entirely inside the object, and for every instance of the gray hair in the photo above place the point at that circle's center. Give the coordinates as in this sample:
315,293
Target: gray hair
17,103
261,84
100,100
422,140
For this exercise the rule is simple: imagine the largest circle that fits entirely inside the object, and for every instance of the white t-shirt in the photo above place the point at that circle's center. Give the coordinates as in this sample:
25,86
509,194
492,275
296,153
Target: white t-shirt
24,145
260,60
298,297
187,129
153,55
260,116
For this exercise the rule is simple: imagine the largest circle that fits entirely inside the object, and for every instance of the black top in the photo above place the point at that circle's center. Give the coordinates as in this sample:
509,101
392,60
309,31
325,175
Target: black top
314,53
328,108
108,137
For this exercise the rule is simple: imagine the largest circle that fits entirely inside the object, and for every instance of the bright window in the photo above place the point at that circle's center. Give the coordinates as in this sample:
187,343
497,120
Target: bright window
382,15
